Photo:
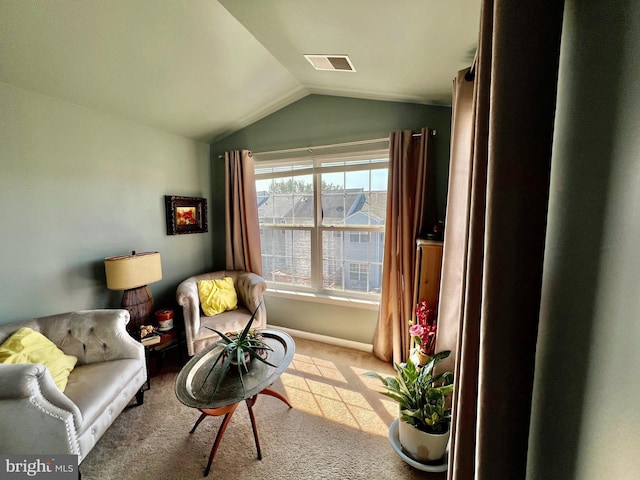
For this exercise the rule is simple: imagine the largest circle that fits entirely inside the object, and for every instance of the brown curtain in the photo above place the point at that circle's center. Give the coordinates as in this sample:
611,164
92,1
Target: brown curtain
495,232
241,213
455,254
408,196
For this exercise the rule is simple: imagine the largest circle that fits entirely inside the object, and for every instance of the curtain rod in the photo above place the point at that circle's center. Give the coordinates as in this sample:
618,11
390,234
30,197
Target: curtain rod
334,145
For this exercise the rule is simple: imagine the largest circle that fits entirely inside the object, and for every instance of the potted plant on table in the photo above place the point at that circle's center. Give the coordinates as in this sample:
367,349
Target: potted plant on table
421,394
239,348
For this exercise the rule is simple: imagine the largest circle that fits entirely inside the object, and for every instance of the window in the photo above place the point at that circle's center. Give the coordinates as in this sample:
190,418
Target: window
359,237
322,222
358,272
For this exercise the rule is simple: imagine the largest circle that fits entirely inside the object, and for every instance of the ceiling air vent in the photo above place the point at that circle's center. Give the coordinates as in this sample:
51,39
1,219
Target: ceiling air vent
334,63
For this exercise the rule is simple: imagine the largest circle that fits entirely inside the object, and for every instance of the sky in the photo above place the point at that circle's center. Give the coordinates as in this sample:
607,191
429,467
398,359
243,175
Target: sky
374,180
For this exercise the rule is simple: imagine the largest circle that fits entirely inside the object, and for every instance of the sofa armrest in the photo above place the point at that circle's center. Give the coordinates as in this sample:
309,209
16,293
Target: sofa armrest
250,288
188,298
32,404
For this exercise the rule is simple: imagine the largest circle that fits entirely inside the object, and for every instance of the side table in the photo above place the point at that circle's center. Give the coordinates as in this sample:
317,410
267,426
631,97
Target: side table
168,341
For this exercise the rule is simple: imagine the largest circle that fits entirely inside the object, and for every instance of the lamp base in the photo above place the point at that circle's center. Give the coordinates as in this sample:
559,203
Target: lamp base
139,303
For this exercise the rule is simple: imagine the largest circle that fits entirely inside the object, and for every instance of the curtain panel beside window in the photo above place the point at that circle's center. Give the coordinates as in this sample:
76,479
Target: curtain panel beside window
408,196
241,213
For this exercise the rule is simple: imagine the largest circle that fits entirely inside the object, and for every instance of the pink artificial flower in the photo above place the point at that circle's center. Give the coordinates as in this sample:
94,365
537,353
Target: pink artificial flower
416,330
425,328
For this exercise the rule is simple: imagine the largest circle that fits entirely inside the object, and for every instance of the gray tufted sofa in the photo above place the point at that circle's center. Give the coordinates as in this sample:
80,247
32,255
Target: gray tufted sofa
36,417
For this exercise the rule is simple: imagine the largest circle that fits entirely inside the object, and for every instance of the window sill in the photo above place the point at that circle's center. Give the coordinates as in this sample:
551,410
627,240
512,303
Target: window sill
324,298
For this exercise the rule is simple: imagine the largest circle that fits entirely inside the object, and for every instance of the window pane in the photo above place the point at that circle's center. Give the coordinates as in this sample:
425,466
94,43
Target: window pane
359,180
352,266
286,256
379,180
333,260
376,252
347,198
286,200
335,207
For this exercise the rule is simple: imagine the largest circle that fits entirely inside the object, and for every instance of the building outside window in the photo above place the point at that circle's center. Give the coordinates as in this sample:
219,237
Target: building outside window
322,223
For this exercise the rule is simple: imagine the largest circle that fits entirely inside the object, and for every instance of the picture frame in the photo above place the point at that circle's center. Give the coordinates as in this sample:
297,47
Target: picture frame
185,214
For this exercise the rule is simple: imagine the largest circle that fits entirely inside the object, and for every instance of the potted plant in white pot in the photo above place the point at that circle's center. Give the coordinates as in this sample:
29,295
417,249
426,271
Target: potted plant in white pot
425,419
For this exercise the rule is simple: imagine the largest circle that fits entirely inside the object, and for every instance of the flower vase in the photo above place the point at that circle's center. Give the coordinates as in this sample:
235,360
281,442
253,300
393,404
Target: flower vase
419,358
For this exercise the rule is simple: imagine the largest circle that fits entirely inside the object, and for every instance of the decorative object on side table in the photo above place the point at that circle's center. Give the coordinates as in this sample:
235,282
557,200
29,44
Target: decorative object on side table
185,214
132,273
149,335
423,333
164,319
422,400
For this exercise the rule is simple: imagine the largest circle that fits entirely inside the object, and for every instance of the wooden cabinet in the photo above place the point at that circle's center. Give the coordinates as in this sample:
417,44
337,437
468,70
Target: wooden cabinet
427,273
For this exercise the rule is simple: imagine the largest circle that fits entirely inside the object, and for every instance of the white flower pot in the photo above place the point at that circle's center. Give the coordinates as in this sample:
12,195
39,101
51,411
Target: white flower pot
421,446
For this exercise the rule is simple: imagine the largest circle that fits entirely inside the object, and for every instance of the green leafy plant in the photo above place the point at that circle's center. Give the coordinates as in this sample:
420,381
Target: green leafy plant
239,349
421,394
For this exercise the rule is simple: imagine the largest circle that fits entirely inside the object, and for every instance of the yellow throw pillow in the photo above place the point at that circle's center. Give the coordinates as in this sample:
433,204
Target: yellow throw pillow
217,296
28,346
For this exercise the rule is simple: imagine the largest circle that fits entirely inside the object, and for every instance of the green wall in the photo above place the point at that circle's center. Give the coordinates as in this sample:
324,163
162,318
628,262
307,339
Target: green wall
323,120
586,415
77,186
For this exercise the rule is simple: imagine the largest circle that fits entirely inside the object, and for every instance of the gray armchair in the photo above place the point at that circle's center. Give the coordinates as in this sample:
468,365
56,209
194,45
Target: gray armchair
250,289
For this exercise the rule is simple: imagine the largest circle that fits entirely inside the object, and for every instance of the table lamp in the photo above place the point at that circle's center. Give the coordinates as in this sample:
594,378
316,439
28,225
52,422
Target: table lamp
132,273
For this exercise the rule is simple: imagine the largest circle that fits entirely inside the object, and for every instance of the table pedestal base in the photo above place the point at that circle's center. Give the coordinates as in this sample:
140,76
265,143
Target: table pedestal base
228,411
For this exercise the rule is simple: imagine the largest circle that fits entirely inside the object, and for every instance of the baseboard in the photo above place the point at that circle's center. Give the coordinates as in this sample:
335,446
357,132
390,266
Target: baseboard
316,337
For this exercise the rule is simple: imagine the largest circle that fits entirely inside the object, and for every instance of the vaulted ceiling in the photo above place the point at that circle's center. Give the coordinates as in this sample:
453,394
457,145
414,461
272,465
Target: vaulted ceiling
205,68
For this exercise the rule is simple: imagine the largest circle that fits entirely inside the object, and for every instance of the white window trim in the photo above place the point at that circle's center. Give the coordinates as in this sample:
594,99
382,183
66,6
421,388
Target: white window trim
320,297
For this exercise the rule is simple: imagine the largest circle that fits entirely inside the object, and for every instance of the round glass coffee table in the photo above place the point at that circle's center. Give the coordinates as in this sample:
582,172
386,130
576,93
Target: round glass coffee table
196,383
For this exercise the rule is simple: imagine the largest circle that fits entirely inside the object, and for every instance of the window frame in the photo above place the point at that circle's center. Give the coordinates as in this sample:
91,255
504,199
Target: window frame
316,166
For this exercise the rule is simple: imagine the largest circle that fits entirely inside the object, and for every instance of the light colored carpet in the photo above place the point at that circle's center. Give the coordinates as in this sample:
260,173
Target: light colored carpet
337,429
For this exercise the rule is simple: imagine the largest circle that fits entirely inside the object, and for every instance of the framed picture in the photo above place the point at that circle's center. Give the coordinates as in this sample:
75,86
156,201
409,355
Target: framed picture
185,214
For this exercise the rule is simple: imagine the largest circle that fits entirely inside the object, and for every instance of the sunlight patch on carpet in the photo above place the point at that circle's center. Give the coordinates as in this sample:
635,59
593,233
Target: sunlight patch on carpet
339,393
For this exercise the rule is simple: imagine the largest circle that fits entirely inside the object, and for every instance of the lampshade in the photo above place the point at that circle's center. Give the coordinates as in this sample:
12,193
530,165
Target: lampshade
132,271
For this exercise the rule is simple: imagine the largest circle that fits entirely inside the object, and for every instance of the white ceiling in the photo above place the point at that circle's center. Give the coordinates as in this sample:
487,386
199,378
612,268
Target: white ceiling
205,68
